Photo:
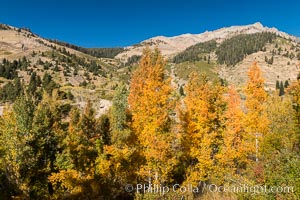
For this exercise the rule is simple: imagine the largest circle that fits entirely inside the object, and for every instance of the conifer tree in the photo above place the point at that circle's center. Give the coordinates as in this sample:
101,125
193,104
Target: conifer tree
33,84
286,84
277,85
281,89
119,115
181,91
32,145
76,163
15,138
47,134
117,162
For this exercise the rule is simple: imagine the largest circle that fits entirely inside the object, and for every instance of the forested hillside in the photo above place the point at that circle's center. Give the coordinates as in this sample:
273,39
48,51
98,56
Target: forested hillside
230,59
96,52
31,64
229,52
153,134
233,50
194,52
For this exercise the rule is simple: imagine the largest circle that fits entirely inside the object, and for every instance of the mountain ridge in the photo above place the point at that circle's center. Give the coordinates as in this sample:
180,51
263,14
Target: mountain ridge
175,44
284,52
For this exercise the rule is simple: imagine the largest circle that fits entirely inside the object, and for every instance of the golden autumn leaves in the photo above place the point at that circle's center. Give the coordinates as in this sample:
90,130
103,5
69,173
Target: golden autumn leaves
217,137
150,103
153,135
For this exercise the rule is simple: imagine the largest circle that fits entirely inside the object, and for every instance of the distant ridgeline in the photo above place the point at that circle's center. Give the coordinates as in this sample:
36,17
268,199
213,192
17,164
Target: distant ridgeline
230,51
4,27
96,52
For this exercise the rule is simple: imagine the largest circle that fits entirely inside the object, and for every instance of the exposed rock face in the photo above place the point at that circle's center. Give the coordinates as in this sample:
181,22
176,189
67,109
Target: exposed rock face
173,45
279,70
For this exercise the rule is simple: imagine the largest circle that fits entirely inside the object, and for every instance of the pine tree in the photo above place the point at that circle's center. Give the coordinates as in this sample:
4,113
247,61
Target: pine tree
76,163
47,134
32,87
82,137
281,89
118,115
271,60
15,139
277,85
181,91
32,145
286,84
48,84
18,87
117,162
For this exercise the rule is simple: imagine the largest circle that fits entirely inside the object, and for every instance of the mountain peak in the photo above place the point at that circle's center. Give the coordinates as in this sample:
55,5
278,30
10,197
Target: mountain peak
173,45
258,25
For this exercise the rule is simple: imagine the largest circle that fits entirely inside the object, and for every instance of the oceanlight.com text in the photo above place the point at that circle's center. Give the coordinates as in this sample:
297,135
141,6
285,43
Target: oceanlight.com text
203,187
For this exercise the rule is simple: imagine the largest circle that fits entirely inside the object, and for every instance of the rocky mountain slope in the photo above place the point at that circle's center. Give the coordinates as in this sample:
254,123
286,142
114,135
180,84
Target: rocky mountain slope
278,57
284,66
170,46
225,53
24,55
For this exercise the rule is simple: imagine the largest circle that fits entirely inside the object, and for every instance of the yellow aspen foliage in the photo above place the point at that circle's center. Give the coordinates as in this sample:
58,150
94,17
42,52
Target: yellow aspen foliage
120,166
68,180
256,97
82,137
12,146
235,149
76,163
202,121
150,103
282,135
294,91
118,160
256,120
281,146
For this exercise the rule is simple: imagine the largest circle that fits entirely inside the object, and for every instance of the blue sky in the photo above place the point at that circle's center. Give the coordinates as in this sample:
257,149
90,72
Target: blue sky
92,23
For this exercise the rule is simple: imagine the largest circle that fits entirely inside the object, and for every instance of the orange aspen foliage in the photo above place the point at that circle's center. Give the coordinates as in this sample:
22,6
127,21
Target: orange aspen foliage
256,120
236,147
202,120
294,91
150,103
255,102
